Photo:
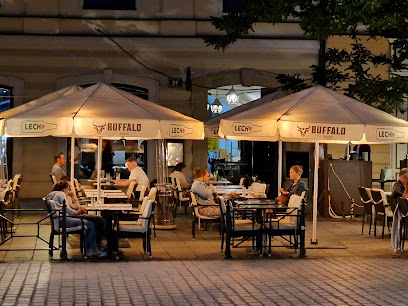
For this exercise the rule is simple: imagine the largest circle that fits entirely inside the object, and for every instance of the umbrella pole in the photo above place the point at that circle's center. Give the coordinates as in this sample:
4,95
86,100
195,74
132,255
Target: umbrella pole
98,184
315,192
72,160
279,165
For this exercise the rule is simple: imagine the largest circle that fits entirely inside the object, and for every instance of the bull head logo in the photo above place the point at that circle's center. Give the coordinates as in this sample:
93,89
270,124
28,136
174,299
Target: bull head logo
99,127
303,130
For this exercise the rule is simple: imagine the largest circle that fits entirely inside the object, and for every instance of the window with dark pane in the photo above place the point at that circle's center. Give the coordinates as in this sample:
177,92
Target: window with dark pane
232,6
110,4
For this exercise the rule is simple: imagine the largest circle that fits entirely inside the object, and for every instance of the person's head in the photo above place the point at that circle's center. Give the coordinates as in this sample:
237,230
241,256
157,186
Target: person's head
61,186
295,172
131,163
64,178
403,176
180,167
60,159
202,174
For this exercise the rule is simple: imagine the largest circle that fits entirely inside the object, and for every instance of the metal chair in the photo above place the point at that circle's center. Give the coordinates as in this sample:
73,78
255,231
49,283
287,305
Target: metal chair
286,223
242,230
141,230
200,219
382,210
182,195
368,210
55,218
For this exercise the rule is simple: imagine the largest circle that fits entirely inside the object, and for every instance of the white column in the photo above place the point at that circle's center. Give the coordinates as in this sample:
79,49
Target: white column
280,164
315,191
72,160
98,184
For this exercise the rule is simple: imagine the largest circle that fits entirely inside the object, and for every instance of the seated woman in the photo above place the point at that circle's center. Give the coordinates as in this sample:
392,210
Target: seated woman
297,186
59,195
205,194
178,173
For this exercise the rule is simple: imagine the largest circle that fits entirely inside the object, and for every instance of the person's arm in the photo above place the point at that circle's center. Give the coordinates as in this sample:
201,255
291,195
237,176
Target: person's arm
397,190
123,183
204,192
183,182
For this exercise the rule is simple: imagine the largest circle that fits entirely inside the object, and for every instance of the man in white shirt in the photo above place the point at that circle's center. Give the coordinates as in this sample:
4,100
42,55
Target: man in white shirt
136,175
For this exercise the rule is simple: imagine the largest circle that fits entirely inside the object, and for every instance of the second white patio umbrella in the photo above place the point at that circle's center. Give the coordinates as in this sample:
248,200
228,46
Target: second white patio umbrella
316,115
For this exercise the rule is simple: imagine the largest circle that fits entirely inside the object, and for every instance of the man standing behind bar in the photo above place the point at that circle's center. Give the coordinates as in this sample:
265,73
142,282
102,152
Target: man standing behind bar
136,175
56,170
399,187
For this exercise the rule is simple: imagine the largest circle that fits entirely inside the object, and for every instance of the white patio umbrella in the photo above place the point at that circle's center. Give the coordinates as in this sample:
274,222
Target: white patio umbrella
316,115
102,111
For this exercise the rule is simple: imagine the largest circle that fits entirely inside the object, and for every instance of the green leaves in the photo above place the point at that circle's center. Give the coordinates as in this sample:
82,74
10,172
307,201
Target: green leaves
321,19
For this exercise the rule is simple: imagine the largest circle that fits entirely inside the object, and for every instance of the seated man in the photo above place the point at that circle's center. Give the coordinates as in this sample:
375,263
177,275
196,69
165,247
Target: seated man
98,221
59,195
399,187
56,170
136,175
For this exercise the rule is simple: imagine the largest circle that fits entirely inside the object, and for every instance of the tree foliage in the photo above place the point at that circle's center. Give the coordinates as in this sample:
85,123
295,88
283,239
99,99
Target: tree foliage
336,68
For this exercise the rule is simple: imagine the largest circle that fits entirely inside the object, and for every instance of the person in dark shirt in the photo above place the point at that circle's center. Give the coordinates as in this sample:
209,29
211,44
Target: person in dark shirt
297,186
399,186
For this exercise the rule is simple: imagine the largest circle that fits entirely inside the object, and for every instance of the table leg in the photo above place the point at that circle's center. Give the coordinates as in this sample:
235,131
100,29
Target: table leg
110,242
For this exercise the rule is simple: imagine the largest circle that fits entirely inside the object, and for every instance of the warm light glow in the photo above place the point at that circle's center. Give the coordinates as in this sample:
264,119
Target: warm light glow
216,107
232,96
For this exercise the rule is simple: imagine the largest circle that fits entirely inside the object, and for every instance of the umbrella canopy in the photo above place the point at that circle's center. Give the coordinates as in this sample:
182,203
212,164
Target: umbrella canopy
211,126
102,111
315,114
37,103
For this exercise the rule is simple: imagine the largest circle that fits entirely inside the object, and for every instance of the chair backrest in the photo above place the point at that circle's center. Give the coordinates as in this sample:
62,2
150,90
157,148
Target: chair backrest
392,202
242,181
257,188
173,182
223,205
193,199
5,196
78,190
53,179
147,214
178,184
143,191
378,200
295,201
403,206
365,198
17,181
131,190
54,216
152,194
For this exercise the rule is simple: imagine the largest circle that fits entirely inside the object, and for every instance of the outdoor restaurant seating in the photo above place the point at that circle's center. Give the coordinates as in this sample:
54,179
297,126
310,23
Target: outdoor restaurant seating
55,221
53,179
5,199
235,228
286,223
181,194
368,207
382,210
403,209
199,219
392,202
140,230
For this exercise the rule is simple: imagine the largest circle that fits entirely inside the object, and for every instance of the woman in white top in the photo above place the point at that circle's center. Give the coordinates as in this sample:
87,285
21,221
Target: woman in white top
178,173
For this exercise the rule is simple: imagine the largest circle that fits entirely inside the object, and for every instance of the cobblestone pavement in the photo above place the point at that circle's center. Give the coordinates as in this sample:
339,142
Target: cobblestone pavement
339,281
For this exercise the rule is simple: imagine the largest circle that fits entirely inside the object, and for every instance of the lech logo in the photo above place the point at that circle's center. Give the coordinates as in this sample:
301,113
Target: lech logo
177,130
214,131
388,134
245,128
99,127
36,126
